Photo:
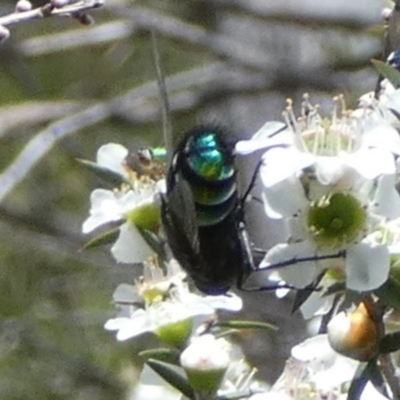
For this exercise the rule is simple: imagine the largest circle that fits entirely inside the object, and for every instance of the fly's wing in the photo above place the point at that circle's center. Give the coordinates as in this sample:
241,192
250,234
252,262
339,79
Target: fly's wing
180,224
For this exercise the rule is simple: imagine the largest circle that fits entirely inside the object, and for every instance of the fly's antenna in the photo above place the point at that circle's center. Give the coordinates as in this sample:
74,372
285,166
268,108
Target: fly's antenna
163,96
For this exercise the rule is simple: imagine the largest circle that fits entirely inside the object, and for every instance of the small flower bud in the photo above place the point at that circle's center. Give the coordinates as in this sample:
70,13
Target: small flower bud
23,5
205,361
59,3
386,13
4,33
356,334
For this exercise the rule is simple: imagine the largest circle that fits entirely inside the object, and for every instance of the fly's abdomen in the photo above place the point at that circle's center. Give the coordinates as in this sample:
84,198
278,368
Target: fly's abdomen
206,163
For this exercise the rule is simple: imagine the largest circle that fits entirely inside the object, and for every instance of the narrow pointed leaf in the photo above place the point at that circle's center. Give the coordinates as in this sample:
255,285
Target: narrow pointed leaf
390,343
387,71
358,383
302,295
225,333
103,239
376,378
166,355
246,325
172,376
106,174
389,292
153,242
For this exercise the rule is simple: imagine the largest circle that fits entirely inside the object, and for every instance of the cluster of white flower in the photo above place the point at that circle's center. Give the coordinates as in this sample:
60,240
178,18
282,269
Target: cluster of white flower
332,181
160,302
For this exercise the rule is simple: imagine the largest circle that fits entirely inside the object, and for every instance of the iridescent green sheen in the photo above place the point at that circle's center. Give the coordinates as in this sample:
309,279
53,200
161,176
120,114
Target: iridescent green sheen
210,195
159,153
207,158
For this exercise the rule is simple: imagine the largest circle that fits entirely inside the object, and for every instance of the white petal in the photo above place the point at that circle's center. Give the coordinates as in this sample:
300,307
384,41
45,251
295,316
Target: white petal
316,305
111,156
382,136
371,163
370,393
152,387
329,169
298,274
156,392
130,246
138,323
394,101
125,293
132,199
341,371
367,266
282,163
284,199
387,200
326,368
269,135
104,208
272,395
314,348
230,302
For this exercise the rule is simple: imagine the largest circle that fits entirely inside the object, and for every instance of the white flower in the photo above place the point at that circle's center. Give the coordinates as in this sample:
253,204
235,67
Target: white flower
314,371
325,368
388,99
358,140
239,377
167,301
138,208
333,182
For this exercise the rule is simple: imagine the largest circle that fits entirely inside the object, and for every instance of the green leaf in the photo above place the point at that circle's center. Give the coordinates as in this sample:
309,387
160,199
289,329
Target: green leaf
153,242
389,292
225,333
246,325
387,71
174,377
106,174
103,239
169,356
358,383
364,374
302,295
376,378
390,343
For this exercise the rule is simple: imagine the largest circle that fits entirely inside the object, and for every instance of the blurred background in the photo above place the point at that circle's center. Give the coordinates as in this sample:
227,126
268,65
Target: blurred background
66,89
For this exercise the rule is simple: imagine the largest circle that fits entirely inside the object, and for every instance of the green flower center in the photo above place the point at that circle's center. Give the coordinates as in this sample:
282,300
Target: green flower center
336,220
147,216
175,333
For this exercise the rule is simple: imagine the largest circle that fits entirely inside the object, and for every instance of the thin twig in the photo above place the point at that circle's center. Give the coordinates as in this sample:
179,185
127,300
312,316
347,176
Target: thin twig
49,11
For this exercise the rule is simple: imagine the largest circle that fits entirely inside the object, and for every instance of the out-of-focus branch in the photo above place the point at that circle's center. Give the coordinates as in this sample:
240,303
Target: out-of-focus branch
51,9
72,39
21,115
38,146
